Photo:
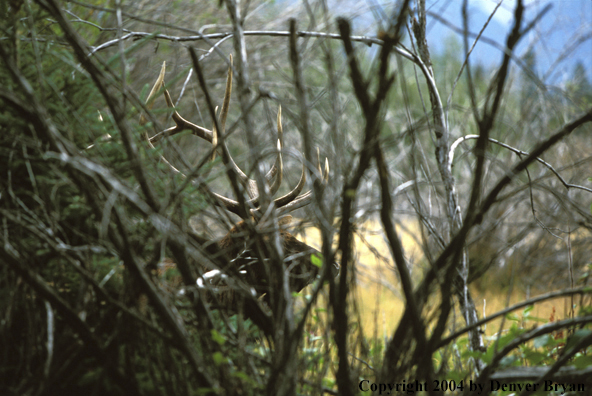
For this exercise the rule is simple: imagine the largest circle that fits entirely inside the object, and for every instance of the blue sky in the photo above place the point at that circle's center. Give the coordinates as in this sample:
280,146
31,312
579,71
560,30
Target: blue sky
561,38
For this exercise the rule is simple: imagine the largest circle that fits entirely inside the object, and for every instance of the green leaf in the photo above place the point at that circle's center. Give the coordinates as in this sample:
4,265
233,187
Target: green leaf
508,361
535,358
218,358
582,361
527,309
456,376
513,317
536,319
577,337
244,377
217,337
316,259
542,341
329,382
90,377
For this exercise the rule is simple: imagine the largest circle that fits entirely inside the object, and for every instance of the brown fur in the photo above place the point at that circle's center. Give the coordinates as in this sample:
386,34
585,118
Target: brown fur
235,253
239,248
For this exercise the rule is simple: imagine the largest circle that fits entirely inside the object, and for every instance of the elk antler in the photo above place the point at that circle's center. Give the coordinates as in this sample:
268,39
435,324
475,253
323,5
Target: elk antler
242,273
274,176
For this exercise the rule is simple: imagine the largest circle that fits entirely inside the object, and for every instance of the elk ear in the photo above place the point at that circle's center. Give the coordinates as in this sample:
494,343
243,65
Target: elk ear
285,220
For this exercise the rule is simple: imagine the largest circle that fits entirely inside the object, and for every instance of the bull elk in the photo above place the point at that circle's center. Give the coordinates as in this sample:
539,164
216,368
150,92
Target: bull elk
240,258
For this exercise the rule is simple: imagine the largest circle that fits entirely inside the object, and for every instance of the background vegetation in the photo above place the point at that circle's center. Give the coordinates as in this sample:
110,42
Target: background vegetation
451,177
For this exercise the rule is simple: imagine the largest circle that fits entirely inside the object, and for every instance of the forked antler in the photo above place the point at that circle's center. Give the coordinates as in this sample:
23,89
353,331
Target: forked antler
274,176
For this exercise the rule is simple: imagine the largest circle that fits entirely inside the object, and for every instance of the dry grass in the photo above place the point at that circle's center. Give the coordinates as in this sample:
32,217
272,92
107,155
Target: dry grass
379,295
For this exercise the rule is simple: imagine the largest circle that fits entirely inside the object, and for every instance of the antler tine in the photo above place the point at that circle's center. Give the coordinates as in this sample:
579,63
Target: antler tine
289,197
181,124
278,166
250,184
244,179
152,95
158,85
305,198
226,101
325,175
276,171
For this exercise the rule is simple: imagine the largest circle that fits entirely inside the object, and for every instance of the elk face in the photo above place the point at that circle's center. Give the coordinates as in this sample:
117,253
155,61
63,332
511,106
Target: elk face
241,255
297,257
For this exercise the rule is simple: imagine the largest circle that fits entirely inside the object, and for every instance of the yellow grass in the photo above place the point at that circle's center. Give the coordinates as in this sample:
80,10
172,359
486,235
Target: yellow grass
379,295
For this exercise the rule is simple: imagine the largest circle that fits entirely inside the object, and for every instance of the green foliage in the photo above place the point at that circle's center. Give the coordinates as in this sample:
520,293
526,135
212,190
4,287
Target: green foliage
539,351
316,259
218,338
84,242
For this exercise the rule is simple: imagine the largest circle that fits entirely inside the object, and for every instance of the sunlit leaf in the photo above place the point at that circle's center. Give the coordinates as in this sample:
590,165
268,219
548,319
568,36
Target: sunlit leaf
316,259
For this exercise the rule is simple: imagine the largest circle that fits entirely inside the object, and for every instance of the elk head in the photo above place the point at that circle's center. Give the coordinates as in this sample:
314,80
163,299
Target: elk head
243,253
